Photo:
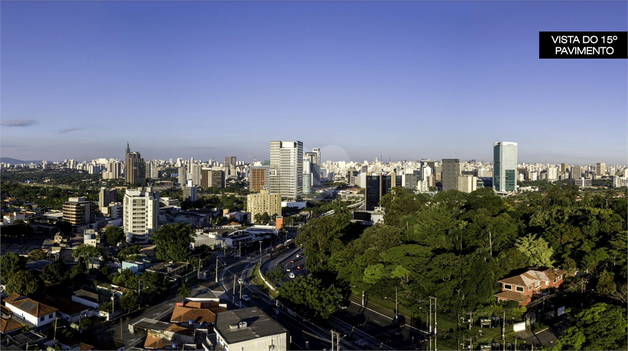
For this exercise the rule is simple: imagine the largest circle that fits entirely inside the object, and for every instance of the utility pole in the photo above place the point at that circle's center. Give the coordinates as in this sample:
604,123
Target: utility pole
396,306
216,269
260,254
240,249
234,287
240,283
335,340
504,331
198,274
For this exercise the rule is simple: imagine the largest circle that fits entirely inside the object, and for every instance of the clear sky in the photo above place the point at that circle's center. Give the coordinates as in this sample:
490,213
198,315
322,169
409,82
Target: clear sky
405,80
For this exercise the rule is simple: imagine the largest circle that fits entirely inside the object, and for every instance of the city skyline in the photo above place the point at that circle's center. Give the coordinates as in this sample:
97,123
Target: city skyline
401,80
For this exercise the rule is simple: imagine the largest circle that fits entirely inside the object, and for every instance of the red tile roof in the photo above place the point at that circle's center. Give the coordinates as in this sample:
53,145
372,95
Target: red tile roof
28,305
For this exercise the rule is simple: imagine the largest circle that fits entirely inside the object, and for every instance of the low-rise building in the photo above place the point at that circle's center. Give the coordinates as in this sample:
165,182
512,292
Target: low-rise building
521,287
250,329
32,311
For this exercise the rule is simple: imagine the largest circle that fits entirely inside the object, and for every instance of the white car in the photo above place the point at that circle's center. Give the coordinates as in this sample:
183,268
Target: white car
298,255
291,275
246,297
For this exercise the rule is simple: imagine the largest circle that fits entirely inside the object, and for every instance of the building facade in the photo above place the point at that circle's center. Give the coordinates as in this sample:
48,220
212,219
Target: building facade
286,169
214,178
377,185
250,329
78,211
140,213
504,166
263,202
134,168
450,174
259,178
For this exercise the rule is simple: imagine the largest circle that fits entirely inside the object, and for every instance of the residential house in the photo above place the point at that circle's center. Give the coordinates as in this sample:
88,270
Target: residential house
521,287
32,311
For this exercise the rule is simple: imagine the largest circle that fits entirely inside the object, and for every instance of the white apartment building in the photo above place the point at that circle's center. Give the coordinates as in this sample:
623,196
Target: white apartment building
140,213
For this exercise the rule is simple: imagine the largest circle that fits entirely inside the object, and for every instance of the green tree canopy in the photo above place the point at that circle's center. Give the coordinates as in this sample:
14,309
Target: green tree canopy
113,235
129,301
9,264
311,294
25,283
599,327
55,273
537,250
172,242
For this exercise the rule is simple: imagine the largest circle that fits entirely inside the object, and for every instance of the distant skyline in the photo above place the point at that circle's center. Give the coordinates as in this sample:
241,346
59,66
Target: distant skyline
405,80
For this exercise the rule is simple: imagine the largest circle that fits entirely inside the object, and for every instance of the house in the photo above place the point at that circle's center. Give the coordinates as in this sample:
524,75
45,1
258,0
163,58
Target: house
521,287
10,326
250,329
198,313
68,310
160,335
32,311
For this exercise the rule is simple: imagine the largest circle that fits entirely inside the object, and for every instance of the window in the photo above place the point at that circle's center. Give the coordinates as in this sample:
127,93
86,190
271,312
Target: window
507,287
554,280
50,315
519,288
41,319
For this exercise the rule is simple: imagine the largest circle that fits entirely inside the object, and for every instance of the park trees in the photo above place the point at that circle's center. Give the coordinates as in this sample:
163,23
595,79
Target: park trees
536,249
55,273
599,327
172,242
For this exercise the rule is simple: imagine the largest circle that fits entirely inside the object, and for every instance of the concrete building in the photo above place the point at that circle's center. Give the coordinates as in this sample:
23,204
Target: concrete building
600,169
134,168
450,173
189,192
105,198
140,213
504,166
34,312
250,329
286,169
78,211
214,178
259,178
576,172
263,202
467,183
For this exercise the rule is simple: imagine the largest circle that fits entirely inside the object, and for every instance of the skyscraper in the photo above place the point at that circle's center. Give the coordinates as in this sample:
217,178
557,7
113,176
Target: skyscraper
451,173
504,166
377,185
259,178
286,169
134,168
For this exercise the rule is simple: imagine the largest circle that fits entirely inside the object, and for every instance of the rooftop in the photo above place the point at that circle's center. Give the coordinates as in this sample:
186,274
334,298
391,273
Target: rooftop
29,306
258,324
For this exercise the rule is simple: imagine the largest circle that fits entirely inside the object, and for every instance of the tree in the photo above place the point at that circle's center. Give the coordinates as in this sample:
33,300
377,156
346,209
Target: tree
55,273
113,235
605,284
538,251
309,293
9,264
184,291
127,279
129,301
84,252
599,327
37,254
172,242
107,307
25,283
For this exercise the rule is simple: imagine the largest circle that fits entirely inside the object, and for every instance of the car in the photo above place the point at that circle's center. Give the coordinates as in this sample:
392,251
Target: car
287,269
298,255
246,297
361,342
291,261
255,296
298,267
240,281
291,275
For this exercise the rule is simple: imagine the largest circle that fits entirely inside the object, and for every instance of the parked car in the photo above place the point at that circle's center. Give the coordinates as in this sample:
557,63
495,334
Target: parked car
246,297
291,275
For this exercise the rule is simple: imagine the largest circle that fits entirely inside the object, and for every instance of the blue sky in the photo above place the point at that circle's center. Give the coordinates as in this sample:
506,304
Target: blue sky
404,80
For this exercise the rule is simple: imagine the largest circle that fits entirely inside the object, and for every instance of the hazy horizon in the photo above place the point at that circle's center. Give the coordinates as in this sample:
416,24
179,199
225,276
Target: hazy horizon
405,80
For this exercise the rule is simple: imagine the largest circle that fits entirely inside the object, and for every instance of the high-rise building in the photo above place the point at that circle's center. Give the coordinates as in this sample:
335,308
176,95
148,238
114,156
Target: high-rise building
140,213
377,185
286,169
576,172
182,175
600,169
134,168
78,211
195,171
259,178
214,178
189,191
467,183
450,174
504,166
106,197
263,202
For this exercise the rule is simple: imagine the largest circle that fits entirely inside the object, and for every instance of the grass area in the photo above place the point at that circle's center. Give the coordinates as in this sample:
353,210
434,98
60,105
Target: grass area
259,283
